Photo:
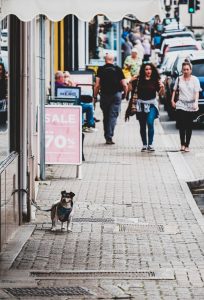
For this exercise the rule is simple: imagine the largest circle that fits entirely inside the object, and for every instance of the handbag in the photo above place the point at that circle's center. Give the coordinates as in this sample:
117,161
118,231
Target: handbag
176,97
132,105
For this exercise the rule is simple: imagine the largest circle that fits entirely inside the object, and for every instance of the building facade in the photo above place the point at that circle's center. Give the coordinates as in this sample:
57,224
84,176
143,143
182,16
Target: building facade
37,47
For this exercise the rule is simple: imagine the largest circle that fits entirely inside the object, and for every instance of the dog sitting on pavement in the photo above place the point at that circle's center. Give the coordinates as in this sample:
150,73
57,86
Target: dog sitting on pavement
61,210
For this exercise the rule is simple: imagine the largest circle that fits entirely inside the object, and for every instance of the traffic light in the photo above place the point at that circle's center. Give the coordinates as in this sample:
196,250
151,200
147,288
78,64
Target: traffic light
191,6
197,5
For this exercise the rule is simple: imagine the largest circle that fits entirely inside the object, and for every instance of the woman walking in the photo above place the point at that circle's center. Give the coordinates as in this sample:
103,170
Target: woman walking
149,84
188,87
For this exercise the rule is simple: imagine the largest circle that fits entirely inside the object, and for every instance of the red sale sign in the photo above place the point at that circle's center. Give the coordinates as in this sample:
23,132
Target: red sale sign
63,142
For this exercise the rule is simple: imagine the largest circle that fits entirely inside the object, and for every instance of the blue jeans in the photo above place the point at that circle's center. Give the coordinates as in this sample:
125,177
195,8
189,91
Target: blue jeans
147,120
88,109
110,105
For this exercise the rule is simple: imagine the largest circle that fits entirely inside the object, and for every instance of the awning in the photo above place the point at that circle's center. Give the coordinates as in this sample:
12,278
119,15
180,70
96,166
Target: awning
85,10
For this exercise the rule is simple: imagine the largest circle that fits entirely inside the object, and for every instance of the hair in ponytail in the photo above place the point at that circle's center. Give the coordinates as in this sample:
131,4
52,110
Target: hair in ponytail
187,63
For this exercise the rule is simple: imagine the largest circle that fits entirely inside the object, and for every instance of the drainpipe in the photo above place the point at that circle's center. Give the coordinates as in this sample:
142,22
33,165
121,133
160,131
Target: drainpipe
30,119
42,95
87,43
23,120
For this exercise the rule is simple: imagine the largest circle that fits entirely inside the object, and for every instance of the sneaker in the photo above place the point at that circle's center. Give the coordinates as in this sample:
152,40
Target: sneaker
84,129
96,120
89,129
92,129
144,148
151,148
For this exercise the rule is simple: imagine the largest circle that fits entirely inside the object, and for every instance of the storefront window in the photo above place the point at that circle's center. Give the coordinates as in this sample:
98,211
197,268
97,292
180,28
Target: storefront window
102,39
3,90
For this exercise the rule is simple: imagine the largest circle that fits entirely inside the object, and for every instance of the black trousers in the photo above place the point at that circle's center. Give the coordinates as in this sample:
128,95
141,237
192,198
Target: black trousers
185,125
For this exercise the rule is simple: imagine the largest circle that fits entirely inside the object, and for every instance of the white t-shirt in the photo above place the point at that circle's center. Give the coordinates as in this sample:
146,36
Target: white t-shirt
187,90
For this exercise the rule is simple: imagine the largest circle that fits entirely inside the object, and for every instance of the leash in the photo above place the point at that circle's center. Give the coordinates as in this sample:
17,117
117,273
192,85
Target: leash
38,207
31,200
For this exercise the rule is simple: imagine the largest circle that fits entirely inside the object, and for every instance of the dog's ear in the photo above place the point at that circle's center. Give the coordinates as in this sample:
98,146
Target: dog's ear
63,193
72,194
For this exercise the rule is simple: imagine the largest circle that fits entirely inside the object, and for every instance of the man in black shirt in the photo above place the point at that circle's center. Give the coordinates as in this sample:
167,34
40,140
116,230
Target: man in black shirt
110,81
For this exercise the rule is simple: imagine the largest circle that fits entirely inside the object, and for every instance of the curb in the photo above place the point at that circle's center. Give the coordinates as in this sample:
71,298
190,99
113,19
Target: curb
186,179
15,245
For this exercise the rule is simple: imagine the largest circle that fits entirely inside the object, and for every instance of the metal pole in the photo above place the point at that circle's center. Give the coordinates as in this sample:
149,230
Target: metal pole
178,16
191,20
42,96
73,44
119,43
52,71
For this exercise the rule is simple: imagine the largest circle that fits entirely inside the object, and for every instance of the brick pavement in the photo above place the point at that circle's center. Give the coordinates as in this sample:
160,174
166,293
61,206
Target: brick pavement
134,218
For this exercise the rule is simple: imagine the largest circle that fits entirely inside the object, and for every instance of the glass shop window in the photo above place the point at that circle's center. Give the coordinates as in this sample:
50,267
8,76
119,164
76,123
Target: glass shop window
4,101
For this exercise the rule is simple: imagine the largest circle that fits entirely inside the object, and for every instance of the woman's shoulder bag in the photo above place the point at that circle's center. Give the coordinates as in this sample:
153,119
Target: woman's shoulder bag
176,97
132,109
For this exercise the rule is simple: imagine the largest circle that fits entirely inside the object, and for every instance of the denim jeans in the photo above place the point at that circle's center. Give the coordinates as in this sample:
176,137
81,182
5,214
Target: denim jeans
110,105
88,109
147,120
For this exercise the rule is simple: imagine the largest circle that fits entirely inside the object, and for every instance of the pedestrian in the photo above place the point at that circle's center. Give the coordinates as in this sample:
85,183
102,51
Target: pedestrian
67,79
126,47
59,81
147,50
140,49
188,87
132,63
149,84
110,81
86,103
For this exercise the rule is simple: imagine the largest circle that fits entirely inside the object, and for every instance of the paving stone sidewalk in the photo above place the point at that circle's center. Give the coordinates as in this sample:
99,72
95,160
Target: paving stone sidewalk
136,234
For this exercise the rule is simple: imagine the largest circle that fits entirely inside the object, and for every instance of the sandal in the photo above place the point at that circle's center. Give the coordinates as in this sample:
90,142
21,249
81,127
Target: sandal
187,149
182,148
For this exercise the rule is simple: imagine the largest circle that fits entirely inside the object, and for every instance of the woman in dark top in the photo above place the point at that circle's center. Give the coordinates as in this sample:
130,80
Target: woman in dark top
149,84
3,82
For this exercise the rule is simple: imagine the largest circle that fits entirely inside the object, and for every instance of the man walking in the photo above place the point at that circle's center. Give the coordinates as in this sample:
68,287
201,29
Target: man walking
111,82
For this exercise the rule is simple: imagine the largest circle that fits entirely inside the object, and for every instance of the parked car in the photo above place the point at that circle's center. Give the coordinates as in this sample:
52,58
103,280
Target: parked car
174,26
181,44
4,37
166,38
167,21
197,61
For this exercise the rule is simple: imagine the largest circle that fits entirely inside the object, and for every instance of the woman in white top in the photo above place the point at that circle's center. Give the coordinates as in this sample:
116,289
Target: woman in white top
188,87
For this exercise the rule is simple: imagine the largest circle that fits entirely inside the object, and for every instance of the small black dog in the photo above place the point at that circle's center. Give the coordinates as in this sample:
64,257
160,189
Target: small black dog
63,211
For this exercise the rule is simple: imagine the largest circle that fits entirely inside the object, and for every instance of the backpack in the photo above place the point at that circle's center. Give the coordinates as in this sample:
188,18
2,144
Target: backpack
110,81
